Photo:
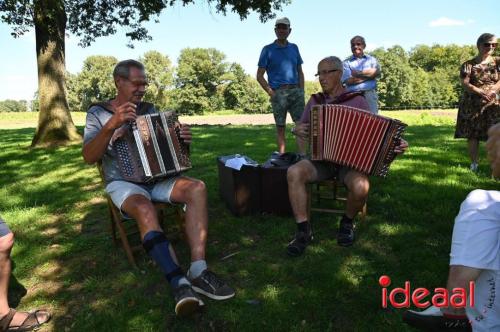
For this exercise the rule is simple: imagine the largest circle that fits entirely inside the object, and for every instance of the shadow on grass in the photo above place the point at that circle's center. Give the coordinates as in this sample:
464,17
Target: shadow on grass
66,258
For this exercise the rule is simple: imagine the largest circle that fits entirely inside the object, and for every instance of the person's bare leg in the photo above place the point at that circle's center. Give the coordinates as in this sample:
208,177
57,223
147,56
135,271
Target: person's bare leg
193,193
6,243
473,147
298,176
459,277
358,187
280,138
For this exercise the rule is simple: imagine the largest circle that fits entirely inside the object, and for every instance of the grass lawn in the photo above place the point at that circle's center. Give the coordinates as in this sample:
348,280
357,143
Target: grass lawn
65,260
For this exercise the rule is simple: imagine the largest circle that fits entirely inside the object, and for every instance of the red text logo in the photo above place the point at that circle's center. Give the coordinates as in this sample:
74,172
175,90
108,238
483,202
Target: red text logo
419,297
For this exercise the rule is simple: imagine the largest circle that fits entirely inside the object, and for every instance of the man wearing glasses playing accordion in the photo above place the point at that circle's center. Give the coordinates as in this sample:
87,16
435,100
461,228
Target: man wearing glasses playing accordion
103,125
307,171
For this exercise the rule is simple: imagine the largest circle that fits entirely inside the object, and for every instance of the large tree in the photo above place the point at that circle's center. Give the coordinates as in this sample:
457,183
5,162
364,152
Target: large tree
88,20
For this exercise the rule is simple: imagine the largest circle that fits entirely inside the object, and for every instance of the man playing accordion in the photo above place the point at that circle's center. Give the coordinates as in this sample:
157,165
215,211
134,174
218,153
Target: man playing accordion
307,171
134,199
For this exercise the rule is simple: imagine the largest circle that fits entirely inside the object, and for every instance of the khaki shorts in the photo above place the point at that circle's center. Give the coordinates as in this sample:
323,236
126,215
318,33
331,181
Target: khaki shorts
119,191
287,100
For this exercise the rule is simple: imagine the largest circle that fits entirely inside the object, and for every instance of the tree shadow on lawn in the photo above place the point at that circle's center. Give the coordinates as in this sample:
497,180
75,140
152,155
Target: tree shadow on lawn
71,261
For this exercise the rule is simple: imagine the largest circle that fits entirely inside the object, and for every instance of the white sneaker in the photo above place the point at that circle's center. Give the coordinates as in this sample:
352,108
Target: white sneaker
474,167
432,319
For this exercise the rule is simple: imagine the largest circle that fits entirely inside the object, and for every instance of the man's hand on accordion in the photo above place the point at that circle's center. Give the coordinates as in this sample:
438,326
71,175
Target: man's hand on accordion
301,130
124,113
402,147
185,133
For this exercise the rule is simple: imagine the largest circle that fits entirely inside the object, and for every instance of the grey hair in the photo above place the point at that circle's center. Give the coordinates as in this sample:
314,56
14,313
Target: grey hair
484,38
335,61
122,68
360,38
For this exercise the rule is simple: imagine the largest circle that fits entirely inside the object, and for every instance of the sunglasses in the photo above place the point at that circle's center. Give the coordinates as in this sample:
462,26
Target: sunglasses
490,44
324,72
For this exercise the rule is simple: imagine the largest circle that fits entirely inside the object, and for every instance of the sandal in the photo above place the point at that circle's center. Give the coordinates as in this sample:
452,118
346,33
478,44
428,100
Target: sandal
29,324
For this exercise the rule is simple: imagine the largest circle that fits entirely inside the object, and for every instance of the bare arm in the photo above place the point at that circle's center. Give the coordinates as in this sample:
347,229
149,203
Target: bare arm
263,83
94,149
487,95
301,76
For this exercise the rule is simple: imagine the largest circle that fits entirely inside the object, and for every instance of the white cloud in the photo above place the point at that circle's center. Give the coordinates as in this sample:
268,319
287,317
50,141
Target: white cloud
445,22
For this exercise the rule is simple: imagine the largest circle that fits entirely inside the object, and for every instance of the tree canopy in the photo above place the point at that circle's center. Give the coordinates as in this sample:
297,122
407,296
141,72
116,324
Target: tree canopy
88,20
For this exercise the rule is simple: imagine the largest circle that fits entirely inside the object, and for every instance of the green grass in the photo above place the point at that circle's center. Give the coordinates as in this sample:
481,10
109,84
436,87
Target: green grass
65,259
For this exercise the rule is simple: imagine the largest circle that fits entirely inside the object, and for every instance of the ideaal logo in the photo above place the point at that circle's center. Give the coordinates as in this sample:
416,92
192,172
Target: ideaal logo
441,297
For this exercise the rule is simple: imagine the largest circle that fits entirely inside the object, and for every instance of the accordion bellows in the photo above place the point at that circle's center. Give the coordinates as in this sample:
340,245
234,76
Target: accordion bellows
151,148
354,138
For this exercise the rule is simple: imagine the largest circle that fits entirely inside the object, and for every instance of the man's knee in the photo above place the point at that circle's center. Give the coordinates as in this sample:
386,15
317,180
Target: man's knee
196,189
6,243
359,185
138,205
298,173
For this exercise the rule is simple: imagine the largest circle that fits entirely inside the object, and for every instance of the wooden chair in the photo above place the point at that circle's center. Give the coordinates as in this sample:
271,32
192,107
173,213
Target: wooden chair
332,192
126,228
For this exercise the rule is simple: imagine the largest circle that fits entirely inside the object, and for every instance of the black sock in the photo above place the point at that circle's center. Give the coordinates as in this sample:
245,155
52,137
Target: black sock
346,221
304,226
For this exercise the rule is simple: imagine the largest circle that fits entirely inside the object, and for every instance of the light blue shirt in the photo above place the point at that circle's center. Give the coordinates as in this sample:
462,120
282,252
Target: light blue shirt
365,62
281,64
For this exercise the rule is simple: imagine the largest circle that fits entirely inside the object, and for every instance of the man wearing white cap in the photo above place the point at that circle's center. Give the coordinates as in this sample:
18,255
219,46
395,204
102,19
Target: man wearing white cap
282,62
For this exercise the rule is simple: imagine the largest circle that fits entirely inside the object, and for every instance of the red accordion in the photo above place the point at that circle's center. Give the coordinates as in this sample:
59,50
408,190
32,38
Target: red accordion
354,138
151,148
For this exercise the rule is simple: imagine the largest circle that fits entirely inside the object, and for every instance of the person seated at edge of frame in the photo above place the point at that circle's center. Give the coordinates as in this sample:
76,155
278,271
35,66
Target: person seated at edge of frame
135,200
307,171
475,256
10,319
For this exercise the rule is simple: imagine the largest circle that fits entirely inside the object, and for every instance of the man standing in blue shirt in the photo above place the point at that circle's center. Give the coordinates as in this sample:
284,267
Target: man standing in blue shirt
285,80
360,72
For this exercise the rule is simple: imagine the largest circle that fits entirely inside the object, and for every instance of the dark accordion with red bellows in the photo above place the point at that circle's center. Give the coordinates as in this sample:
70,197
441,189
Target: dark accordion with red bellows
354,138
151,148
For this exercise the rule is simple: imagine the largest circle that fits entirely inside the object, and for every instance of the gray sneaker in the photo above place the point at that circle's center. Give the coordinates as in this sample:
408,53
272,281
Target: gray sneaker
186,301
208,284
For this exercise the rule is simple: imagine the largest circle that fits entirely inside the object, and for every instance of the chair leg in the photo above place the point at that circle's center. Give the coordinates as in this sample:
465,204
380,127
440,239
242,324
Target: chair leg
363,212
113,226
309,200
126,244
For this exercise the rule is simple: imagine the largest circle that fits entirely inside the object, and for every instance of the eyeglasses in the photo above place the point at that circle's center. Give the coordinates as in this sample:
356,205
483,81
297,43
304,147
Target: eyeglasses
324,72
138,83
490,44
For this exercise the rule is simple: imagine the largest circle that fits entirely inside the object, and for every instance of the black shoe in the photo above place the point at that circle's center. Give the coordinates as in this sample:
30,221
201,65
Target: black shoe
432,320
208,284
298,245
345,234
186,301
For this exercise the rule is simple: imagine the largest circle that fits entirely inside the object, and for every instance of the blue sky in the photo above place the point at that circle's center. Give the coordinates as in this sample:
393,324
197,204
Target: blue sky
319,27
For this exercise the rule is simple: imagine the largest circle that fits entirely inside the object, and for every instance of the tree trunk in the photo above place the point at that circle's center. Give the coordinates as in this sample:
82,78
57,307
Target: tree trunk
55,126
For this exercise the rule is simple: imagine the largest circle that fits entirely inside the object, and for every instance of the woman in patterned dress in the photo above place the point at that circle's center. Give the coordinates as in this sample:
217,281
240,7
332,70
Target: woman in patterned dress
479,107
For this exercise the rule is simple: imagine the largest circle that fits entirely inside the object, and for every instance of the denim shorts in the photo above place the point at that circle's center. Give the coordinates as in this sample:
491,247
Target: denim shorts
287,100
160,191
4,229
